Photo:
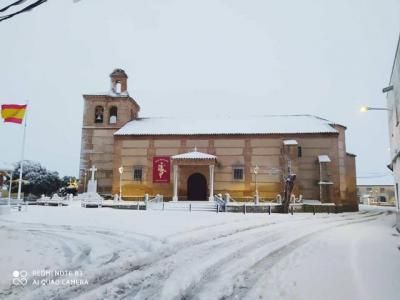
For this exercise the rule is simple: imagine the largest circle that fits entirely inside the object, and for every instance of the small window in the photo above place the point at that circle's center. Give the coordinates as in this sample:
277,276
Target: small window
299,152
238,173
137,173
113,114
382,190
118,87
98,114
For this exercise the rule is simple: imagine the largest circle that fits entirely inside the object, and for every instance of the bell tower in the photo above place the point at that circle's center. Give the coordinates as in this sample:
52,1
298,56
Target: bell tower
119,81
103,115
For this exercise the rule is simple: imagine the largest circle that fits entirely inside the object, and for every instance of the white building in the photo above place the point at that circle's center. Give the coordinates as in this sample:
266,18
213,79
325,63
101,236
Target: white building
393,104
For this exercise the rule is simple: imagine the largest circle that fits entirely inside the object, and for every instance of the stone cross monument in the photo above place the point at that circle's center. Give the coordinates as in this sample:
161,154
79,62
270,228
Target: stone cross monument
92,184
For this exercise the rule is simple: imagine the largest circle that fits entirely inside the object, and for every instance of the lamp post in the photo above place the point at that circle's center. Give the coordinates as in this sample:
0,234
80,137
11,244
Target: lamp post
367,108
84,182
121,171
255,170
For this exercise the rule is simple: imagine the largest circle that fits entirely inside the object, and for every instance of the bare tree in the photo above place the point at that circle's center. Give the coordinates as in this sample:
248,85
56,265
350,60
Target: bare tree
289,184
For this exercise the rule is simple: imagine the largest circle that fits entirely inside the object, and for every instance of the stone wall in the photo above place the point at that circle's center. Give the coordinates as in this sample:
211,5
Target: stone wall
97,145
266,151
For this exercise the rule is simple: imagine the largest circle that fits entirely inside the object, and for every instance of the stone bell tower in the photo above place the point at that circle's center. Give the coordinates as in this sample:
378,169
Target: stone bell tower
103,115
119,81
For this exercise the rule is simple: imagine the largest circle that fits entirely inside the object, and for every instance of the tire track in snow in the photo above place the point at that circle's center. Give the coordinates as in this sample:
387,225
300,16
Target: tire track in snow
78,250
223,272
142,265
152,283
108,276
246,281
152,278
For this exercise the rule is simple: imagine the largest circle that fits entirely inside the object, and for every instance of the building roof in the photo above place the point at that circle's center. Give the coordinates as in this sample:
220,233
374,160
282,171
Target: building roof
267,124
290,142
194,155
396,56
324,159
119,72
110,93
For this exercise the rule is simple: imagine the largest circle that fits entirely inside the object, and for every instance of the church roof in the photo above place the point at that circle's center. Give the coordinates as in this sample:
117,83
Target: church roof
267,124
119,72
194,155
110,93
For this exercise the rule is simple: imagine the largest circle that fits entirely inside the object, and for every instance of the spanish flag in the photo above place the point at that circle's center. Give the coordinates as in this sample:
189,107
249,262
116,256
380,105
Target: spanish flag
13,113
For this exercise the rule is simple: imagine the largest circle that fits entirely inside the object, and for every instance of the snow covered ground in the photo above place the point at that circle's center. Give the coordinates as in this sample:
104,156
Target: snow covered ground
77,253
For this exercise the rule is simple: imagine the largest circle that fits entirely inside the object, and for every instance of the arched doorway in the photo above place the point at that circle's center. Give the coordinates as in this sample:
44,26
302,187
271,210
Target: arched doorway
197,187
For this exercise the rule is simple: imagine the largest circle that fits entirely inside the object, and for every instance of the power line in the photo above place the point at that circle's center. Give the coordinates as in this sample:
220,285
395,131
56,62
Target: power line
12,4
25,9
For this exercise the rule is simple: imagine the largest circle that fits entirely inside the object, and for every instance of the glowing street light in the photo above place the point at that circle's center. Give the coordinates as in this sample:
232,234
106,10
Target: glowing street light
84,182
121,171
365,108
255,170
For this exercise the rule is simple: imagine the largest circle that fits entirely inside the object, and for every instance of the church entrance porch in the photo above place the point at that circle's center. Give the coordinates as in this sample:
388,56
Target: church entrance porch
196,187
190,171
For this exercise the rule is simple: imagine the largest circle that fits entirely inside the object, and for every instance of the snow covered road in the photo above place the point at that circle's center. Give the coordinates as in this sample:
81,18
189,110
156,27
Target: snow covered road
200,255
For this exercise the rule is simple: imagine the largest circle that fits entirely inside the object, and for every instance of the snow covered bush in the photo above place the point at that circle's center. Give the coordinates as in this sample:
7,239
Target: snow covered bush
37,180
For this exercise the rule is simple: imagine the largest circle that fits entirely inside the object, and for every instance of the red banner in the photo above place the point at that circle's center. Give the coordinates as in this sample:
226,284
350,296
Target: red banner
161,169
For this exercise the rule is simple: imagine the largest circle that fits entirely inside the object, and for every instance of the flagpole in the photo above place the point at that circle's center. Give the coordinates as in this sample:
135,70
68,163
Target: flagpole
22,157
9,191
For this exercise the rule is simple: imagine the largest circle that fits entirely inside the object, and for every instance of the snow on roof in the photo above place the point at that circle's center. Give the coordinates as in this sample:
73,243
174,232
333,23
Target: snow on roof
194,155
268,124
110,93
324,158
290,142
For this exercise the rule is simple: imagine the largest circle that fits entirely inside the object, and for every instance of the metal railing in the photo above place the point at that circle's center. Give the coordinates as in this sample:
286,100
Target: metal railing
154,202
220,202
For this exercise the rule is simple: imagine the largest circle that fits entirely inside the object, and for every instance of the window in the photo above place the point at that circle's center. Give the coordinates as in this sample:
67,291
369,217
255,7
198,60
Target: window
118,87
382,190
113,114
299,152
137,173
98,114
238,173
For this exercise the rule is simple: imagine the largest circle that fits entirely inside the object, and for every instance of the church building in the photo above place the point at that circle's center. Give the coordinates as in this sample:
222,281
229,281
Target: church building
186,158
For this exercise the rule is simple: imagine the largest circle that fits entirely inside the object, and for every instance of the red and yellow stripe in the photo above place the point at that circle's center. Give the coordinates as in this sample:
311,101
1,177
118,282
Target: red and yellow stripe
13,113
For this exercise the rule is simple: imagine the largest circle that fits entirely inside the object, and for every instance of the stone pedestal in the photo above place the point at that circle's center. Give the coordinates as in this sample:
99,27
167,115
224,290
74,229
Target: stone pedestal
92,186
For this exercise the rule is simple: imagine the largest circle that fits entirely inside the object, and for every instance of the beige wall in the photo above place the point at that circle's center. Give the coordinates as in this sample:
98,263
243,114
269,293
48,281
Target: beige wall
97,145
245,151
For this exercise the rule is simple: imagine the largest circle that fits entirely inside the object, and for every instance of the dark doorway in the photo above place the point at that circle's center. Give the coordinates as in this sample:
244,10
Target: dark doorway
197,187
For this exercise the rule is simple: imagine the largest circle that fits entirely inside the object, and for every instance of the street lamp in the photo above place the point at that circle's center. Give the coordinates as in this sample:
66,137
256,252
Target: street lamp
84,182
255,170
121,171
365,108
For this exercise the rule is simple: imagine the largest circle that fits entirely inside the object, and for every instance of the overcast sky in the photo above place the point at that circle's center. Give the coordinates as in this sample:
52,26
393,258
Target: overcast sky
209,57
